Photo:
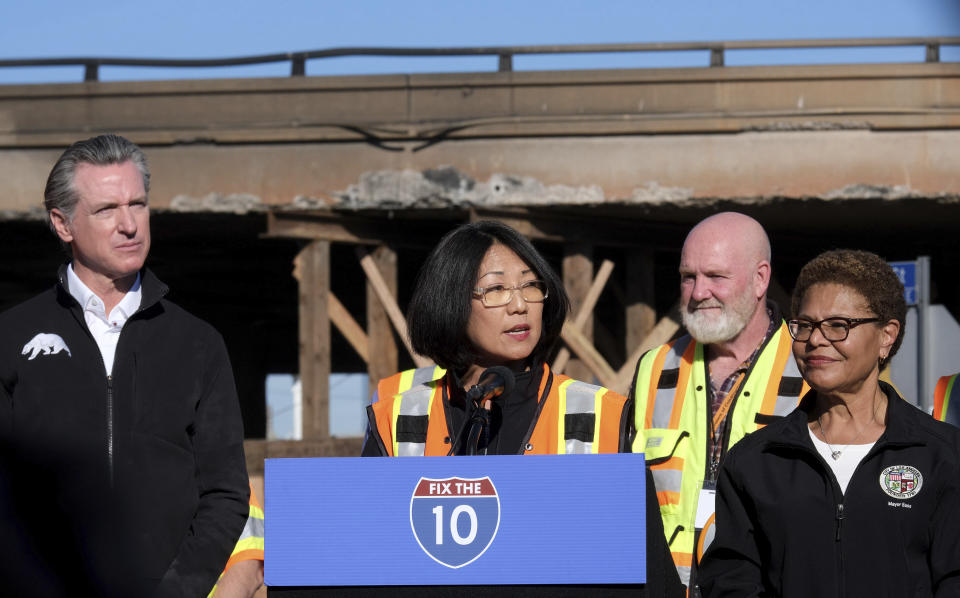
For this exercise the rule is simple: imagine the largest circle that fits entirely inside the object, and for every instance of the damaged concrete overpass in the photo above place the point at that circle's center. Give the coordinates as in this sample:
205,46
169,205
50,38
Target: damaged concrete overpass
272,196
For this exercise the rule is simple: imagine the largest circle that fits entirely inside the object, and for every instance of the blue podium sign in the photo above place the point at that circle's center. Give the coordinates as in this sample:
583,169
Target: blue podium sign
493,520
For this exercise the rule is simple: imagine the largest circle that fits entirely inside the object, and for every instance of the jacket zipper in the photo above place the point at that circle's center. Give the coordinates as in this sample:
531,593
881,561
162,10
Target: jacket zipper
840,511
839,519
110,425
83,325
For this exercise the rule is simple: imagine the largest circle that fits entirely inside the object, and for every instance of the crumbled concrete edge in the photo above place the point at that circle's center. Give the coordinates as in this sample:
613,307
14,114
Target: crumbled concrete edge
809,125
884,192
234,203
446,186
30,214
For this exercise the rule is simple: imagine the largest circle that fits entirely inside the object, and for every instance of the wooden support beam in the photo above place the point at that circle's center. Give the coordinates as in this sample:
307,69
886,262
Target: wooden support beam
368,229
586,311
558,224
348,327
577,279
382,290
312,271
641,315
383,361
592,361
661,333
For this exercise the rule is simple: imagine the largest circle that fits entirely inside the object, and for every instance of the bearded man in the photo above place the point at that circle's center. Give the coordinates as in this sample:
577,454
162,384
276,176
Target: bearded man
730,375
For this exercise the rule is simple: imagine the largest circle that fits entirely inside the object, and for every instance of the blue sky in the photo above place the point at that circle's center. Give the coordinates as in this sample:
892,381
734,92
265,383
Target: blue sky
179,29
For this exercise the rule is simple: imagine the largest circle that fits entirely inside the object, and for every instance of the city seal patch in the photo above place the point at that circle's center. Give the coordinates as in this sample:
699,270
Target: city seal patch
901,481
455,519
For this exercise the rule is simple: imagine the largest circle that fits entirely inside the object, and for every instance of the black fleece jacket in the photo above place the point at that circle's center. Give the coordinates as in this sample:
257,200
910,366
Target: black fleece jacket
142,470
784,527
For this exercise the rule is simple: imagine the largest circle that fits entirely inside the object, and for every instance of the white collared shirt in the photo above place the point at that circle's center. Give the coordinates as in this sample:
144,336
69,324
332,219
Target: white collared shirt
105,329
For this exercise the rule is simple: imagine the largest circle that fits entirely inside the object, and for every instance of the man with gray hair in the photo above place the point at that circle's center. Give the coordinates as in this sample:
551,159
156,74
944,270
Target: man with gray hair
730,375
127,400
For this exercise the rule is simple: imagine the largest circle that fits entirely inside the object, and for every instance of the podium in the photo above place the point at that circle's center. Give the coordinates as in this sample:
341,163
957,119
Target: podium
538,525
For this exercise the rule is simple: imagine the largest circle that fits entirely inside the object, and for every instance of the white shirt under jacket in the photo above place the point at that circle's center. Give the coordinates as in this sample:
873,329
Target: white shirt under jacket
105,329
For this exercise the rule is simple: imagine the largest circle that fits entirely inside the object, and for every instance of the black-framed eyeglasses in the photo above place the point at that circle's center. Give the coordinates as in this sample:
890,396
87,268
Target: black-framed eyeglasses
832,329
495,295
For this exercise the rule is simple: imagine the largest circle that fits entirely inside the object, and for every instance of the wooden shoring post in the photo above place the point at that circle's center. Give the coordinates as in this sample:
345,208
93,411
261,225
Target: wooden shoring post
592,361
661,333
383,359
348,327
585,312
312,271
640,313
577,278
389,303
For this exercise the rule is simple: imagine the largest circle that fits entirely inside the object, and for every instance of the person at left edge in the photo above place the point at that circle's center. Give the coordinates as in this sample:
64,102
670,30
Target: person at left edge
126,396
485,297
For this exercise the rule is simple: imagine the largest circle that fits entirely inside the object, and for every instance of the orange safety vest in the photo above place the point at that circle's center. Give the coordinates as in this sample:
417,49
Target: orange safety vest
944,409
574,417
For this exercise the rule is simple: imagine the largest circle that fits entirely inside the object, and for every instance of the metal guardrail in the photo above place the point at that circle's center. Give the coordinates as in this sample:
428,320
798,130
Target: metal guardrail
298,60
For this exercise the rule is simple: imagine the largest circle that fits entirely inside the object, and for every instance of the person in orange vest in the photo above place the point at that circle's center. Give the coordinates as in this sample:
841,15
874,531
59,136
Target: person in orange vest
945,409
243,574
731,374
488,310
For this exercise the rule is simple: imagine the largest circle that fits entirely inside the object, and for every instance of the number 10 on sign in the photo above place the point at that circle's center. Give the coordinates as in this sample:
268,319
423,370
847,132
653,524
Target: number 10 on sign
455,520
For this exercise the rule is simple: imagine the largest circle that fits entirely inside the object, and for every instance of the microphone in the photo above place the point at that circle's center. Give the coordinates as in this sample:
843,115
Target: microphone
494,382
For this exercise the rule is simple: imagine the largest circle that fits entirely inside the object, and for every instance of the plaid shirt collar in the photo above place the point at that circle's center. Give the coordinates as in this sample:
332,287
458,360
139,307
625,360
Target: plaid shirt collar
720,392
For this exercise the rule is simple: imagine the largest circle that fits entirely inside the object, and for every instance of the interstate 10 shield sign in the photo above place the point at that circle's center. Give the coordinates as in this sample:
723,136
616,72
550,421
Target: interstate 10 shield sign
455,519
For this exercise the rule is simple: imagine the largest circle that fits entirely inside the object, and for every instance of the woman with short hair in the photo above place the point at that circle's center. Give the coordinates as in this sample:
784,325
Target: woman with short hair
856,492
485,298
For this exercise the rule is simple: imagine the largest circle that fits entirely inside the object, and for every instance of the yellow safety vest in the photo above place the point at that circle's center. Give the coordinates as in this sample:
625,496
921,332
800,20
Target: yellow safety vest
672,412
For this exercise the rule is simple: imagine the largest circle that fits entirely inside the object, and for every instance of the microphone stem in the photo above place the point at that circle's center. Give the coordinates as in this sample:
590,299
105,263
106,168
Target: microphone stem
479,428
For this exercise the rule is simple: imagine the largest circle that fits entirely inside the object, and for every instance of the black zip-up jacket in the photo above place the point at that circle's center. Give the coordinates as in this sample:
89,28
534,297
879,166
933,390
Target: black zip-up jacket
136,479
784,528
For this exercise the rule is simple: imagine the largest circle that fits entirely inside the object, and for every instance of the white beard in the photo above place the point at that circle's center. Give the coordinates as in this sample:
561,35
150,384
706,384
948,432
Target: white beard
710,328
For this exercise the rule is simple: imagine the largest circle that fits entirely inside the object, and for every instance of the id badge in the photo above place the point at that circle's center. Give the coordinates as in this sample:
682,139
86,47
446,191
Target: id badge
706,503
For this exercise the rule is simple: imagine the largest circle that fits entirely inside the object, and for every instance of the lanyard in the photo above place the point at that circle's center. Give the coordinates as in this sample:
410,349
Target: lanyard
721,412
717,425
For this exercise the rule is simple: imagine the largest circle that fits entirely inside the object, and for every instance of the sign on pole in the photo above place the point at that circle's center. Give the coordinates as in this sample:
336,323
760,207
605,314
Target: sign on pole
907,273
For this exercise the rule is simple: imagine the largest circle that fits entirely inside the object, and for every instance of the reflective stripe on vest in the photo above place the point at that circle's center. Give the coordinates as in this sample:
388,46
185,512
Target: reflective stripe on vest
250,544
942,396
670,383
672,413
581,405
411,410
576,432
405,380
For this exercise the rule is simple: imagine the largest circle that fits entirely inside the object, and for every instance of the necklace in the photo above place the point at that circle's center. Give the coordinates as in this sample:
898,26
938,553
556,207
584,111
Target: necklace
837,453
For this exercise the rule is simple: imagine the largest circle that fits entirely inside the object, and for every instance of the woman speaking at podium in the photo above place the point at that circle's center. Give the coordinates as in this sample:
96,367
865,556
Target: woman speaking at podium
488,310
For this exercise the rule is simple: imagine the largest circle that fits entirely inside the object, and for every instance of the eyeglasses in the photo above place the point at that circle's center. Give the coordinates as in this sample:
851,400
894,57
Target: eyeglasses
832,329
495,295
